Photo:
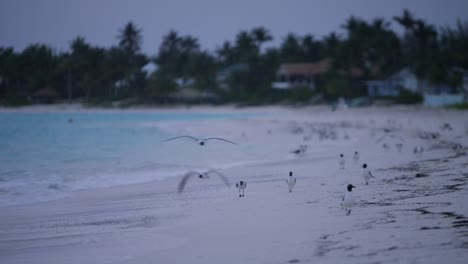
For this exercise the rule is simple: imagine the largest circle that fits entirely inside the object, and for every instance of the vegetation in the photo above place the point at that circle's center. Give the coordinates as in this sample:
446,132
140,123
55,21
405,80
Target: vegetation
461,106
98,75
408,97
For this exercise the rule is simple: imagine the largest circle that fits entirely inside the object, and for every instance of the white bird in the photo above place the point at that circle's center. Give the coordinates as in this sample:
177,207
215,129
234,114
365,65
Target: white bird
348,200
241,186
385,146
203,175
399,146
291,181
346,135
341,162
200,141
356,157
366,174
459,149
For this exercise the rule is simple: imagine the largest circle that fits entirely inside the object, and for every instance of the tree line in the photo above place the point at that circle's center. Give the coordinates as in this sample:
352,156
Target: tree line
97,74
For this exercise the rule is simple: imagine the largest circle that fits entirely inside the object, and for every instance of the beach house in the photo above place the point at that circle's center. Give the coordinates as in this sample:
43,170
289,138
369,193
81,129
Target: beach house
294,75
434,94
391,85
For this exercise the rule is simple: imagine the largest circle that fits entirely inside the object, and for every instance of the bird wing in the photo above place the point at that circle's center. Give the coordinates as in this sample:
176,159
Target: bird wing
211,138
185,179
371,174
215,172
180,137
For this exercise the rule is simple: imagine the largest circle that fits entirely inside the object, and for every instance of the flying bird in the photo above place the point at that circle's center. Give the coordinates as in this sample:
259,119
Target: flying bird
200,141
203,175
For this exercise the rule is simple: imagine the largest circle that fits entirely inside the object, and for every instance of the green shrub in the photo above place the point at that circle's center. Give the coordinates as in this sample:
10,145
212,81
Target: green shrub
409,97
15,100
460,106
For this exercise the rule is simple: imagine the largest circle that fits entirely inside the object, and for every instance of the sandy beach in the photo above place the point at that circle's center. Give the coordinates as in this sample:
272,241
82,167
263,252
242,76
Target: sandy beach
414,211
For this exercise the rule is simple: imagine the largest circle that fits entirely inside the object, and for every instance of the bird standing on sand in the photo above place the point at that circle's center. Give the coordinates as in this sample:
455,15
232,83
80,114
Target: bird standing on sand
356,157
446,126
366,173
341,161
348,200
200,141
385,146
291,181
459,149
203,176
241,186
419,150
399,146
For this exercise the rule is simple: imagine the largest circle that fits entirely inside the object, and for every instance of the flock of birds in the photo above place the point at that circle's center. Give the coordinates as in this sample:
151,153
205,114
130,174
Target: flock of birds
326,132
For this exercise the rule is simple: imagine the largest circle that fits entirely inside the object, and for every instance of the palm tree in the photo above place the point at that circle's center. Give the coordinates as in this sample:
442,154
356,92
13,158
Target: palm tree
260,36
331,43
313,50
226,53
246,47
406,20
130,38
291,49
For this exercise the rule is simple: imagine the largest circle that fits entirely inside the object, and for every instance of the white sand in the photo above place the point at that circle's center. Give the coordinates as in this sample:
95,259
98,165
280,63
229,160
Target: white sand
415,211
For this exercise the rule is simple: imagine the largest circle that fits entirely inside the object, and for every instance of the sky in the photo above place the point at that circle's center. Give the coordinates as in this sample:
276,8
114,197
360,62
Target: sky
57,22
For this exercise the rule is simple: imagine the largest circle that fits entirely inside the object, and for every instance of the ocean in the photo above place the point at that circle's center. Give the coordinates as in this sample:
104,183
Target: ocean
48,155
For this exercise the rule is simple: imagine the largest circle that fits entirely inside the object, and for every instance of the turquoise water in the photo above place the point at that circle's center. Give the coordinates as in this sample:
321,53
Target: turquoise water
44,156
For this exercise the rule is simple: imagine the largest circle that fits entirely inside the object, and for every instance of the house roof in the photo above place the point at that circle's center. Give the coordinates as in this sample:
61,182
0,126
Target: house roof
310,69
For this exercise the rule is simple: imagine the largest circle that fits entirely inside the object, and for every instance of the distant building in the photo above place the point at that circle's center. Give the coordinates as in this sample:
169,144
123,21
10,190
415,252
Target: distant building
149,68
391,86
224,75
293,75
434,94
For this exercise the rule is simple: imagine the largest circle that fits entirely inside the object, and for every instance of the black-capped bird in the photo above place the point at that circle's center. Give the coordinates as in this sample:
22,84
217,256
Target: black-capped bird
241,186
348,200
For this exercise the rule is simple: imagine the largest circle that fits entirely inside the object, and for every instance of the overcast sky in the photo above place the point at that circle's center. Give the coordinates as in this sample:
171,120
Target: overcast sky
57,22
